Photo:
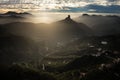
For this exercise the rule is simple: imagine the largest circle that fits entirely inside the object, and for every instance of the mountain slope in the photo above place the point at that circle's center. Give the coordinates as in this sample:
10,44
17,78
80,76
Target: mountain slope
102,25
74,28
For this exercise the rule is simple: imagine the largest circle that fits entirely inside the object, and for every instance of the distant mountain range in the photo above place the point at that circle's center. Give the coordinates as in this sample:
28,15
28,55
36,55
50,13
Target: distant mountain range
13,14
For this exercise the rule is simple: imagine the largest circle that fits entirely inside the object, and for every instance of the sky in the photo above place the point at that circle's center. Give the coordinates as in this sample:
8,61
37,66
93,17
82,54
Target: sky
97,6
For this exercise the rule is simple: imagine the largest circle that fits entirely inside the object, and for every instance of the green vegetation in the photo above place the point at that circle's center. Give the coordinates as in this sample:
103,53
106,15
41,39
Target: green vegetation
22,72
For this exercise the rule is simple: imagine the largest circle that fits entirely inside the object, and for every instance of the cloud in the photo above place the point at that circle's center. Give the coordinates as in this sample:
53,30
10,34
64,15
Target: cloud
92,8
46,5
106,2
64,2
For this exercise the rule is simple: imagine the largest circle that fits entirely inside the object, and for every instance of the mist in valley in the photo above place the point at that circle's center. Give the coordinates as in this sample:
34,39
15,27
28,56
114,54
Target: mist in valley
59,46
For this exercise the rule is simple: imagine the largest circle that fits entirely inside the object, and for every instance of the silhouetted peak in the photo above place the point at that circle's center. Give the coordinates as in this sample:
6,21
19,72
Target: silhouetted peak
68,18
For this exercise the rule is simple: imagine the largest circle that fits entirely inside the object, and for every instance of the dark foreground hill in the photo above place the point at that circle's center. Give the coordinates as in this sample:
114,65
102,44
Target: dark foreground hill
18,49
